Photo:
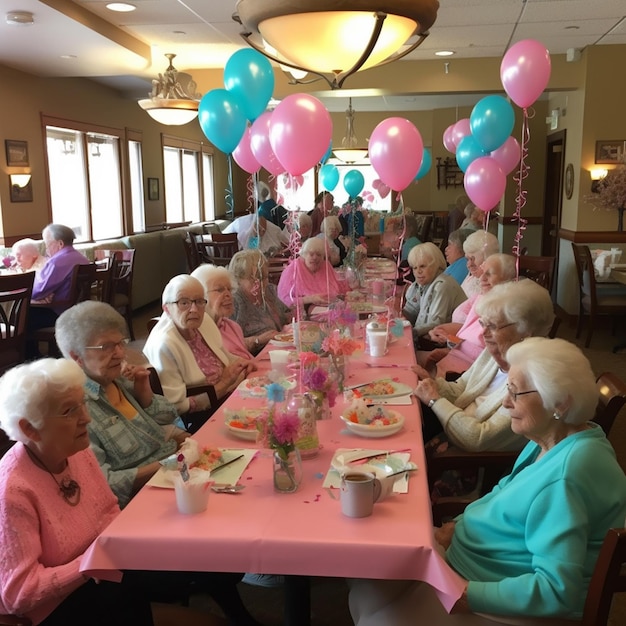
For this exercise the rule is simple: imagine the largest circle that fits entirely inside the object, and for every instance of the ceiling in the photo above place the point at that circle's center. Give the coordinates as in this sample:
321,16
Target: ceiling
82,38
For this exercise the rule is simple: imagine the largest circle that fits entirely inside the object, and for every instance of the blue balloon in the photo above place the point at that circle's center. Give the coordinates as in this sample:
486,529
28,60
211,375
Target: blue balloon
492,121
222,119
467,151
327,153
329,176
249,76
353,183
427,161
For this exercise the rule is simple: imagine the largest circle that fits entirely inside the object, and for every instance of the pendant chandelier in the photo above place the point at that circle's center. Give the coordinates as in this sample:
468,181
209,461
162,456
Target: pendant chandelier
333,39
350,151
173,100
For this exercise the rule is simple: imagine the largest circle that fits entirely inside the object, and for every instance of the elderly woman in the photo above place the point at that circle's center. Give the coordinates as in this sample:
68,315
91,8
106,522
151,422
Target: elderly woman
324,202
309,279
527,549
27,256
55,501
132,429
497,269
185,347
410,237
305,226
331,236
469,410
218,289
477,247
457,265
258,310
433,296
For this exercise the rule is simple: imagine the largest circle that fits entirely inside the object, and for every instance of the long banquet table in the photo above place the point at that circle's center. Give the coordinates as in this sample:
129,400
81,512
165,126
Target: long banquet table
299,534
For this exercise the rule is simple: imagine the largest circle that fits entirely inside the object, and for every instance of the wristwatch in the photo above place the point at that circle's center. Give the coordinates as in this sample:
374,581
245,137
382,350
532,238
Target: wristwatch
431,402
256,341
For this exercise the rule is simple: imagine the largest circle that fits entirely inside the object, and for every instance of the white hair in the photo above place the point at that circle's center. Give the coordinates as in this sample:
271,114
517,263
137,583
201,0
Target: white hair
176,284
208,273
480,245
27,245
313,244
429,252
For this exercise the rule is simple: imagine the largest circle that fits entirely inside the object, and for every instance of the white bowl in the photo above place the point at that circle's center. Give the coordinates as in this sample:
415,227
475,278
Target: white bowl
243,415
376,430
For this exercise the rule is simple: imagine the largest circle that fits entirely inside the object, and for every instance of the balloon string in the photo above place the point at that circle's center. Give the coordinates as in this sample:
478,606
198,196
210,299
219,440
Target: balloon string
400,244
250,186
520,199
228,194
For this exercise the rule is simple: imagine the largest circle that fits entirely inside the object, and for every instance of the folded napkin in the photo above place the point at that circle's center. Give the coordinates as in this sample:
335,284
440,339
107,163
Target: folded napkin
397,401
388,463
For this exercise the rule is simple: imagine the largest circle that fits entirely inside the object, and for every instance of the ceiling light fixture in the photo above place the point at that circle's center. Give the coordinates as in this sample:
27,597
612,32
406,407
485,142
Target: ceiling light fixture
335,37
444,53
350,152
20,18
121,7
173,100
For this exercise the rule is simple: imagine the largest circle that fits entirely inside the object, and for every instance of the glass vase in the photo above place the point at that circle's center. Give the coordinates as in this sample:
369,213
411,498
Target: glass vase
338,370
322,407
287,470
303,405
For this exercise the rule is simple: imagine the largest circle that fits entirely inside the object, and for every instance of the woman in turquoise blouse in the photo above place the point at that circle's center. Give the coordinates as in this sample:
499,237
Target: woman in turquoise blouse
528,548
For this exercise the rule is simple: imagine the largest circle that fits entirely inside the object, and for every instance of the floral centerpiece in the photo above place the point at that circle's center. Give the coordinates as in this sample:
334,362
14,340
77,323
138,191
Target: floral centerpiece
316,379
611,193
339,347
278,431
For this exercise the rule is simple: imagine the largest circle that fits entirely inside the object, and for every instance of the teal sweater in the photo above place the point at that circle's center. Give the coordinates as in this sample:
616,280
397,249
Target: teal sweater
529,547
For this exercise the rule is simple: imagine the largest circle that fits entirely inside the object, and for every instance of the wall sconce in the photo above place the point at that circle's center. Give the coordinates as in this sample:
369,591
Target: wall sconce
19,180
597,174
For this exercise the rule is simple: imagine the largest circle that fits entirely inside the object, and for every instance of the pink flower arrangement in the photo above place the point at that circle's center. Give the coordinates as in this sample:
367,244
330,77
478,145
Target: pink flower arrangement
338,345
611,190
278,430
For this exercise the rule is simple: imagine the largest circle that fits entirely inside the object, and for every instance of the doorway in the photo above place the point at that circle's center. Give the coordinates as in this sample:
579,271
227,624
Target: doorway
553,196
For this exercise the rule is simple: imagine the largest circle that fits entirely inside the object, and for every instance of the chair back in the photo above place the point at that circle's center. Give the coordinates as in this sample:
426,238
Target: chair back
15,294
216,249
191,251
585,273
538,268
612,392
608,578
232,237
83,279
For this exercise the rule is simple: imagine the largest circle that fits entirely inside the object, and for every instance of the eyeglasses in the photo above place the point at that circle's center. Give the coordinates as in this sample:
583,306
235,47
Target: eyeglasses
108,347
185,303
515,394
73,412
221,290
492,328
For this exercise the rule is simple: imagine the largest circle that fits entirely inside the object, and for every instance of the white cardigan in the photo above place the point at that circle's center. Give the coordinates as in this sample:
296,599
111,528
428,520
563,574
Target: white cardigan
171,356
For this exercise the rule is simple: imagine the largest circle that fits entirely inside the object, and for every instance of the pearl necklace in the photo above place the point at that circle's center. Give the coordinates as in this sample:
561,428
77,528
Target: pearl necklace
68,487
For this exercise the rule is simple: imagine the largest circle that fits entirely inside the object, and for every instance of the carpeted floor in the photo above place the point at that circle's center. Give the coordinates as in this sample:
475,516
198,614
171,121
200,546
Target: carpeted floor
329,595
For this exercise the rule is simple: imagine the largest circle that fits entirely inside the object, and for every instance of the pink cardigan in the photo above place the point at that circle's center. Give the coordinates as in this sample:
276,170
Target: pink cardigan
42,537
297,281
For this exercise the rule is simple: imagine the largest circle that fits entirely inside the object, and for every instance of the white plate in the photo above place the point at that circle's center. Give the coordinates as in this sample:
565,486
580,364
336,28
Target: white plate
255,386
242,414
388,464
400,389
376,432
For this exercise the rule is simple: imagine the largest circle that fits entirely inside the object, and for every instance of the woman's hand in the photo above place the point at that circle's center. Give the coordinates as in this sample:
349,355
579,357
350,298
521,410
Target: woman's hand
319,299
437,354
438,335
422,374
140,376
444,534
232,375
426,390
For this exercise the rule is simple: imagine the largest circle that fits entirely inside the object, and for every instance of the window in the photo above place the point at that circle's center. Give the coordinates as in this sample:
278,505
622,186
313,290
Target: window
136,186
188,169
85,180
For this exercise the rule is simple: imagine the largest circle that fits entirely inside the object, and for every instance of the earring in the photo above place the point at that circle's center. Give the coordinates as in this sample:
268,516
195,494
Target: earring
556,416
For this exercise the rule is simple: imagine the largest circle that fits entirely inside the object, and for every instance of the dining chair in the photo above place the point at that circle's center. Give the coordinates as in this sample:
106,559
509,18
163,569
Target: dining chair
538,268
594,298
608,578
191,252
15,294
120,293
492,465
217,249
192,421
231,237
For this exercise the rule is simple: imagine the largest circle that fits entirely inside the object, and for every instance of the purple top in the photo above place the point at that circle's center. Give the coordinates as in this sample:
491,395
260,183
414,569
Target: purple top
55,278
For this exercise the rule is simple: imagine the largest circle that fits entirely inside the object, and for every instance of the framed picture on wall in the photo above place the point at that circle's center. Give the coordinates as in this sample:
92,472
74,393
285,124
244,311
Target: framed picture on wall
610,151
153,188
17,152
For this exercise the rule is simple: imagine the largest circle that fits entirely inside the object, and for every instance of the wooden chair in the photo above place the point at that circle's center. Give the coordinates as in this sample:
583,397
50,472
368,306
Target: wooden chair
494,465
15,294
191,252
538,268
608,578
594,299
121,289
231,237
216,250
275,267
192,421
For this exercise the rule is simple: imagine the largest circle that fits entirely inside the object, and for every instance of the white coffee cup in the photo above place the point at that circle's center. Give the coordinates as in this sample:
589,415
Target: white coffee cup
359,491
377,341
191,496
279,360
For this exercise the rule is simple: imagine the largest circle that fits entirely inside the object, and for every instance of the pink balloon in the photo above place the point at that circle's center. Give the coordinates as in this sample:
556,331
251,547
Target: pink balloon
525,71
300,132
459,130
260,145
484,182
507,155
396,150
448,140
243,154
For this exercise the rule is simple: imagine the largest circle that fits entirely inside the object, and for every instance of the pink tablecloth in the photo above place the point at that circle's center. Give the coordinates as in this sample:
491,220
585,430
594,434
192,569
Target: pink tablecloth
302,533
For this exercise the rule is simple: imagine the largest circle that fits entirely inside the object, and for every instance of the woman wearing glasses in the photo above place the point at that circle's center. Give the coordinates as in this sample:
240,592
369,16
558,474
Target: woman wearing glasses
469,411
132,429
185,347
526,550
218,289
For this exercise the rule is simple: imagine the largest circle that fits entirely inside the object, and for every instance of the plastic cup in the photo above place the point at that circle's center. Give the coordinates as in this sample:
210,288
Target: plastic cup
377,342
359,491
279,360
191,496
